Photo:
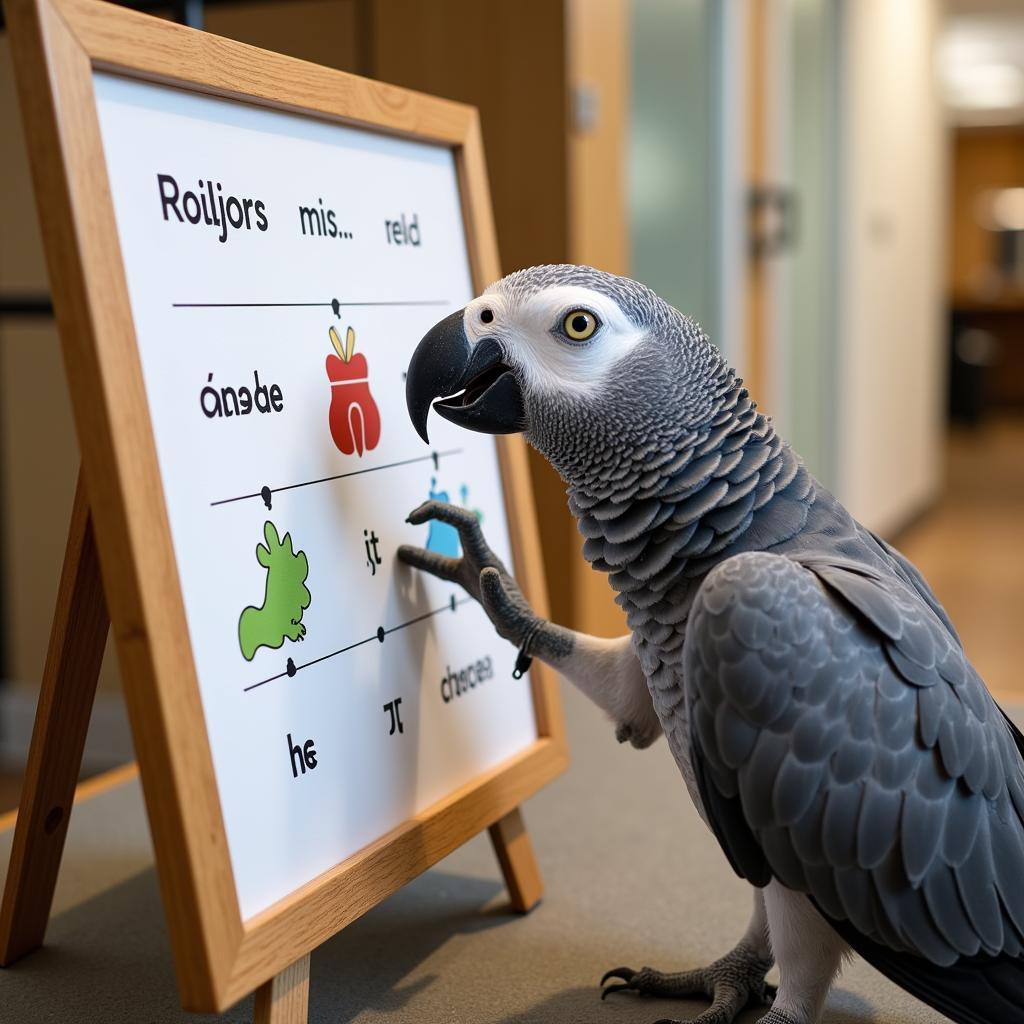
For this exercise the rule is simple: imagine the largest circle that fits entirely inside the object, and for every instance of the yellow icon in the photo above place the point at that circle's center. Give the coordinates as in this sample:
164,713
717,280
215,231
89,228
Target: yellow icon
344,351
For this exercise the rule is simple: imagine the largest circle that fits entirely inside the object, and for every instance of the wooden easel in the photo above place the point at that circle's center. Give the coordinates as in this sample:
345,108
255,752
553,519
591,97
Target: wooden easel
59,47
77,640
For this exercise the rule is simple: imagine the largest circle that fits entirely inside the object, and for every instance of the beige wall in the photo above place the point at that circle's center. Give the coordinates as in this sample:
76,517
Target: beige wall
892,343
597,53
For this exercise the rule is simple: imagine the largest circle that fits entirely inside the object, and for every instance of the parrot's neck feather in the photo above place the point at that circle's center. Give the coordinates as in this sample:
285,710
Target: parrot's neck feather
657,516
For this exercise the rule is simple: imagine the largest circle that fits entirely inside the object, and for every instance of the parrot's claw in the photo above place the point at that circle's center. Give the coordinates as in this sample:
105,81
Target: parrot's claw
484,577
731,983
625,973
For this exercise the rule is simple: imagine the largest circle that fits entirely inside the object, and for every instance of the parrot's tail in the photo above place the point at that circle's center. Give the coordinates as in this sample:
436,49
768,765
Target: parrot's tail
974,990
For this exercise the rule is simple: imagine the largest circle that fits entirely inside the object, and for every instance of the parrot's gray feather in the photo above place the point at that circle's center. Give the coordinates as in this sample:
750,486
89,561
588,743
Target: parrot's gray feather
912,575
809,669
976,989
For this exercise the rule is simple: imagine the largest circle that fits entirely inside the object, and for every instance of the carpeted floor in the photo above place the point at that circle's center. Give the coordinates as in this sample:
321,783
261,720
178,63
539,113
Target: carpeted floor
632,876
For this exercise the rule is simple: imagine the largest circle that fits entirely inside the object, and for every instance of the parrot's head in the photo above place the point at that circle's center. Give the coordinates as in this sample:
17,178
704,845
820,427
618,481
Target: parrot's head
576,359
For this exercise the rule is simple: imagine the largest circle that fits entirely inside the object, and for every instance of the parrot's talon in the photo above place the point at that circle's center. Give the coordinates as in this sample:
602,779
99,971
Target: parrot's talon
626,974
605,992
733,982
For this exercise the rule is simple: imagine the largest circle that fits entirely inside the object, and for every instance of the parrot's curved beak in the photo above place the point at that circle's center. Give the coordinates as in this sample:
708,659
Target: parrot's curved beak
475,387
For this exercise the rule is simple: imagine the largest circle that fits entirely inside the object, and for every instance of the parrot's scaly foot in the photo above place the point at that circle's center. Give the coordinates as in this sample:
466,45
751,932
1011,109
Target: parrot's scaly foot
774,1016
730,983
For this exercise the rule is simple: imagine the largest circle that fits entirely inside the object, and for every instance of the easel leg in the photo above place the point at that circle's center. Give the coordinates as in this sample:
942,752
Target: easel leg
285,998
77,639
518,864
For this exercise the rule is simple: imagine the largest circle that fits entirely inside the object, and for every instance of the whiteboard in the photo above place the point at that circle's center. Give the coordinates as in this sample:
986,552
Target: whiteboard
342,693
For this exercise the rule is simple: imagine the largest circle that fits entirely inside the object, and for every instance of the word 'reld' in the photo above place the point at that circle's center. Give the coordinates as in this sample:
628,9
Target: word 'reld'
403,231
228,401
211,207
455,684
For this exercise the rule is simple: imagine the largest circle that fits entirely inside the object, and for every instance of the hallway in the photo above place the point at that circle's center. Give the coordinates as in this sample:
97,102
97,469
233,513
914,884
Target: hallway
970,547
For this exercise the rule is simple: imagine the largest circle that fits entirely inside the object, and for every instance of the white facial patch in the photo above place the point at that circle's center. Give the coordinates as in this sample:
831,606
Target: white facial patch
536,342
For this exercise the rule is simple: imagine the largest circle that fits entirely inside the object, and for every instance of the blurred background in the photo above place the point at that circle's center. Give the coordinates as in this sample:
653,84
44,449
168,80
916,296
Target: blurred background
834,188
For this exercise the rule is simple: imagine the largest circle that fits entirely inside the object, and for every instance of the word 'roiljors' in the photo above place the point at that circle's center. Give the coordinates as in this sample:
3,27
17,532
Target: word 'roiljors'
240,401
320,222
210,207
455,684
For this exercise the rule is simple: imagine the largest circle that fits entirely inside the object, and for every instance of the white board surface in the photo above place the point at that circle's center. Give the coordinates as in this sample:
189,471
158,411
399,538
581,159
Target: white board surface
308,663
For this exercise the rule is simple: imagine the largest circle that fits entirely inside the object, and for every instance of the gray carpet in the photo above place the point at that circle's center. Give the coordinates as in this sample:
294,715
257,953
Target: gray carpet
632,877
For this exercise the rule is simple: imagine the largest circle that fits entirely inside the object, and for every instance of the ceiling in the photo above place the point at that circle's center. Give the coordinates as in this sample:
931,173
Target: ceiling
981,61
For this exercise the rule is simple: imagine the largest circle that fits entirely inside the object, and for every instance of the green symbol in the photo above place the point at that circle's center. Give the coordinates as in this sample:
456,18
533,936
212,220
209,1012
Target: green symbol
285,599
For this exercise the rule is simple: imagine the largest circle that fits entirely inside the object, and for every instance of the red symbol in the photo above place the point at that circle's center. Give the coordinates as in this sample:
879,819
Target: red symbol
354,418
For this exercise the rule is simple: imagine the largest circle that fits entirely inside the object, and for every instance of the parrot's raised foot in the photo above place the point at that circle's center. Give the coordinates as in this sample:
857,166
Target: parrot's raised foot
730,983
484,577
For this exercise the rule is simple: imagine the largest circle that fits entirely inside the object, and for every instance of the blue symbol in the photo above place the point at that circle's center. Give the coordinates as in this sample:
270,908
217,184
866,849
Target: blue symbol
442,538
464,495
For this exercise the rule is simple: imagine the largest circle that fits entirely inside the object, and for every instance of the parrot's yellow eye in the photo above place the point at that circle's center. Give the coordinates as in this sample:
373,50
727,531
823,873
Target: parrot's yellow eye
580,325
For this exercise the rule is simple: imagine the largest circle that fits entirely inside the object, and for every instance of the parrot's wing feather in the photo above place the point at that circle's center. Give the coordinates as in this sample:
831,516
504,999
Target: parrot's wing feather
843,744
975,990
1018,736
917,581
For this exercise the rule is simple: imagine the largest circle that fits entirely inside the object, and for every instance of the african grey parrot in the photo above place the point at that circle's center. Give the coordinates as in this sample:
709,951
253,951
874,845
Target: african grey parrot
814,694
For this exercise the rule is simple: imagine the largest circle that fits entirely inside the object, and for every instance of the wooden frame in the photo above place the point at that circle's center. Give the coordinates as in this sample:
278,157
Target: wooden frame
57,46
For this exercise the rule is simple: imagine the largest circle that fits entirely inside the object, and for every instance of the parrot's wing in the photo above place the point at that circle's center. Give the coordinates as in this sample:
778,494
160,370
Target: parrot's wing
844,745
917,581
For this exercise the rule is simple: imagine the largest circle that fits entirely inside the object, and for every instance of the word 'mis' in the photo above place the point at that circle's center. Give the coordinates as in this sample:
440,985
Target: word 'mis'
210,207
320,221
240,401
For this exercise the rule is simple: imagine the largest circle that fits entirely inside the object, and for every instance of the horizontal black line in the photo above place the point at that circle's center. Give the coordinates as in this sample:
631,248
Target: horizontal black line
339,476
450,606
402,302
263,682
420,618
239,305
324,657
264,305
